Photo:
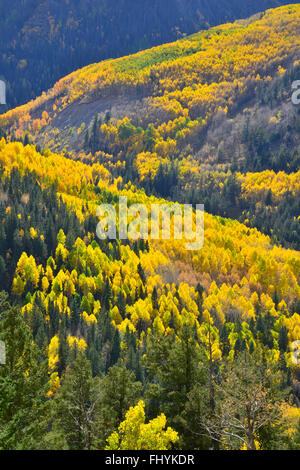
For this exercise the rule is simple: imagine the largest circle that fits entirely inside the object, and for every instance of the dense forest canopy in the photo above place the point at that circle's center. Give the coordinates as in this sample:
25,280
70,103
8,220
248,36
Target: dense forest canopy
142,344
193,120
41,41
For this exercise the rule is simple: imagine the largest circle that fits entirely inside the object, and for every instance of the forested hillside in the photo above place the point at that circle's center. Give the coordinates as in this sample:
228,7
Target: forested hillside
41,41
193,120
129,305
143,344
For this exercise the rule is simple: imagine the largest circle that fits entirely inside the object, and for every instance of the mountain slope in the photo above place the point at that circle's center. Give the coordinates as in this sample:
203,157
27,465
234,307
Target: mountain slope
204,340
45,40
180,89
189,120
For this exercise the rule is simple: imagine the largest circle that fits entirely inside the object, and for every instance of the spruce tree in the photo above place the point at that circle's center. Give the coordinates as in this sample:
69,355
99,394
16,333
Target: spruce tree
23,384
116,348
75,407
119,391
141,273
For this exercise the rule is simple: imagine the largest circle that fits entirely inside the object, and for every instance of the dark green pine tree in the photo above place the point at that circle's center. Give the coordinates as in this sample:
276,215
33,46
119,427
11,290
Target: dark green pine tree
224,340
26,140
94,351
75,407
54,319
87,140
107,331
275,299
243,345
119,391
283,340
115,348
269,198
251,347
252,325
75,314
23,384
63,348
173,365
200,291
94,142
107,295
237,347
141,273
154,298
42,337
121,304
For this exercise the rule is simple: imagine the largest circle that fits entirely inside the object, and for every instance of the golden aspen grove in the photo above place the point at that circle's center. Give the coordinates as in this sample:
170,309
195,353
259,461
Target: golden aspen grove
142,344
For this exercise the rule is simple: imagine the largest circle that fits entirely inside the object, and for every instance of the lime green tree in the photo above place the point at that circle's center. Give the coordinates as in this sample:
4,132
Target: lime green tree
135,434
